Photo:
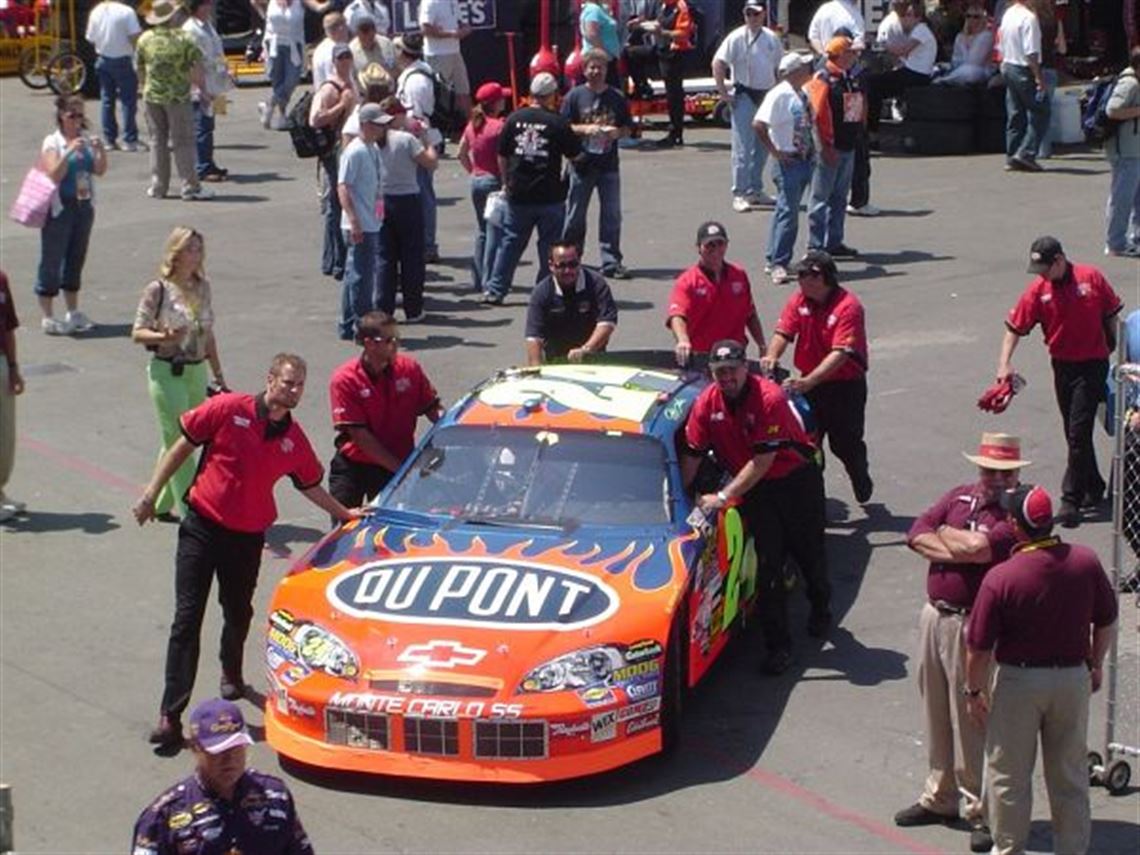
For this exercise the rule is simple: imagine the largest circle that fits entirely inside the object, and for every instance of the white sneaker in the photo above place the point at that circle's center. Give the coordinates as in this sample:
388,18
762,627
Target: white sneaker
54,326
762,200
779,275
264,113
79,322
279,123
12,504
867,210
6,513
767,268
135,147
741,205
197,194
153,192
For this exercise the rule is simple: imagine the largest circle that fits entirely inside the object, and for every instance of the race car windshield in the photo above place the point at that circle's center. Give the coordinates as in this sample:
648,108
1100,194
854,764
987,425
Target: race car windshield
541,478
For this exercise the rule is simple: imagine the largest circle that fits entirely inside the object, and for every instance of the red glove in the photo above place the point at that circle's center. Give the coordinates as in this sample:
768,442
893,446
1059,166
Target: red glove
997,398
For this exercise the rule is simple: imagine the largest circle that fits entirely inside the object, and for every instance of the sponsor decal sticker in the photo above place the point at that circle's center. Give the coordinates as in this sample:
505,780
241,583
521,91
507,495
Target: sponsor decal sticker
639,724
643,689
423,707
569,729
603,727
644,649
639,709
441,654
639,669
596,696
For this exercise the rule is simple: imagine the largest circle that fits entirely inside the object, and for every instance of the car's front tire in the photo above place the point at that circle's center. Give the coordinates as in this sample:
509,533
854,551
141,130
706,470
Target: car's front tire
675,684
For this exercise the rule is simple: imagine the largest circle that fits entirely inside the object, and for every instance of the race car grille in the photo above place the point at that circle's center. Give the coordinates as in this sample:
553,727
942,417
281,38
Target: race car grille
356,729
432,688
431,736
513,739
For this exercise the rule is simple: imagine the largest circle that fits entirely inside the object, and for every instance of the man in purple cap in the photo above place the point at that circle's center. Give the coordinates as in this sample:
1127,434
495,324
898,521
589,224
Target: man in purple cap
223,806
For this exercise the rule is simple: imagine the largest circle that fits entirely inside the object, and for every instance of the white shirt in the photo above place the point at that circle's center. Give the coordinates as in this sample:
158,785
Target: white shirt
921,60
285,29
416,91
322,62
110,27
213,58
357,9
973,50
788,118
890,33
445,15
831,16
751,59
1020,35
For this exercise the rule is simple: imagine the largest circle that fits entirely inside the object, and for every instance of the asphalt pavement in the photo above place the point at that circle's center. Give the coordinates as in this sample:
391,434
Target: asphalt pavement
815,761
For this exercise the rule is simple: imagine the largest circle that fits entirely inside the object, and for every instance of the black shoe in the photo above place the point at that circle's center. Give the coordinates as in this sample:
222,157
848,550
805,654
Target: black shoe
819,622
776,662
864,488
231,689
1092,500
616,272
492,300
1024,163
167,733
842,250
667,141
431,256
916,814
1068,517
980,839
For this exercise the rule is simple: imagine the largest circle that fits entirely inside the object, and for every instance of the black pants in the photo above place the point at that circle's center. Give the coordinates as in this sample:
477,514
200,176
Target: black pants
1079,387
785,517
671,67
840,410
889,84
861,172
639,60
205,549
350,483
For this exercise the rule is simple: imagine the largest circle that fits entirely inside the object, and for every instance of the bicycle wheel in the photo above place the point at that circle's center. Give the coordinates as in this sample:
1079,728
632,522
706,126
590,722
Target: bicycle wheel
33,64
66,72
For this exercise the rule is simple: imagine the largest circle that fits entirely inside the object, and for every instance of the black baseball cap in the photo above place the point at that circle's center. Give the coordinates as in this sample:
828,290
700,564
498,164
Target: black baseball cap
1043,253
727,352
816,261
710,230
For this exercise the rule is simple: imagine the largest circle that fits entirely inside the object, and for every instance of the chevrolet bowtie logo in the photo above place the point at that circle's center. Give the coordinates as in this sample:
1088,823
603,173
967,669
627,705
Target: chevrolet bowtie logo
441,654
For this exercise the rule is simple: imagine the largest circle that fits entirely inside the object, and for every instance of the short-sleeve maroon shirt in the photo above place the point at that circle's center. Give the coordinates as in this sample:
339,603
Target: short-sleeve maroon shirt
819,328
712,309
964,508
1039,606
387,405
244,455
761,421
1071,312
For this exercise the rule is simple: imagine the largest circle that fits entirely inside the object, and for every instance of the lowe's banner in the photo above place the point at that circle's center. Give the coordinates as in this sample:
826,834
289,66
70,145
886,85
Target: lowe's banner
477,14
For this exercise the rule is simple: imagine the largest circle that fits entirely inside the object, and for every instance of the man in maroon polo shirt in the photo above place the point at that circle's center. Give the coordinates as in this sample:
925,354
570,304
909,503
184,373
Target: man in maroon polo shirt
248,444
759,439
1076,307
376,400
712,300
962,535
1047,615
826,323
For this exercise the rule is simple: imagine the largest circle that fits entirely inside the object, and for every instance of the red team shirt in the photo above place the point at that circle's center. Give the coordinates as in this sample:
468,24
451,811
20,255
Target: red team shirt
762,421
244,456
817,329
1071,313
388,405
712,310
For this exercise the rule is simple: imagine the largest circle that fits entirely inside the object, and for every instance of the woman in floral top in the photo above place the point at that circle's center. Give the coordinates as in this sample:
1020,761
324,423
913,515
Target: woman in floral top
175,322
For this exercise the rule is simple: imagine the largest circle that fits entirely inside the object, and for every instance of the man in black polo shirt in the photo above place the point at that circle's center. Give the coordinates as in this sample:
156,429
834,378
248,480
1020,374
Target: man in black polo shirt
248,444
571,312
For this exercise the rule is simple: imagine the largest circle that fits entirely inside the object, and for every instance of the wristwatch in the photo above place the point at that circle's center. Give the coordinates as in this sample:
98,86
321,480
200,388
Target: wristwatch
720,494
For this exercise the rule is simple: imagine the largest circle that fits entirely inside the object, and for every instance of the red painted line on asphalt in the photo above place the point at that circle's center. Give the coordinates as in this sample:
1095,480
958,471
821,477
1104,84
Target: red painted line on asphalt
78,464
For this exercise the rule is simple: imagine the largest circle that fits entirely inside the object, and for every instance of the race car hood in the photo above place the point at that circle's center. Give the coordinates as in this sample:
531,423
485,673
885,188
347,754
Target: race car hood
419,605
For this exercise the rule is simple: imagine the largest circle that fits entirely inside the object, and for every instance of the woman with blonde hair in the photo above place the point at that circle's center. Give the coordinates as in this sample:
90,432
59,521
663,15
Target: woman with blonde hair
175,322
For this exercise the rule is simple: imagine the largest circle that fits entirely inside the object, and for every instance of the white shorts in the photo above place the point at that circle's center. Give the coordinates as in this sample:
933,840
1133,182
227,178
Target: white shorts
450,67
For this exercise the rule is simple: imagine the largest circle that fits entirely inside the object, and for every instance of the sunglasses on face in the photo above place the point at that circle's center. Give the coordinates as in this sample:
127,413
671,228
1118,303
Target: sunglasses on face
384,339
73,115
567,265
805,274
974,15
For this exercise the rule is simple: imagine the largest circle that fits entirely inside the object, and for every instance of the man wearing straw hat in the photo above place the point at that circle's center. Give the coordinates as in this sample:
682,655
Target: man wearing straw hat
962,535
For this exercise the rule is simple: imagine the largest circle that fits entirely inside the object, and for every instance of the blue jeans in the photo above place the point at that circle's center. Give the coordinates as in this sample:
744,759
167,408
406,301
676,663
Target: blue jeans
1122,214
118,81
1027,117
426,179
401,255
582,185
356,294
204,142
283,76
828,209
63,248
483,257
519,220
333,247
748,153
792,179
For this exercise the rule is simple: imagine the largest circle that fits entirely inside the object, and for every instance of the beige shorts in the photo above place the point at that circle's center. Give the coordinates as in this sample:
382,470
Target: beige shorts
450,67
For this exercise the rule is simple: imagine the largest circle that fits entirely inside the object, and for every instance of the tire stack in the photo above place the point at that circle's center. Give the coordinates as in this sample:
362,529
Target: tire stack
939,120
989,125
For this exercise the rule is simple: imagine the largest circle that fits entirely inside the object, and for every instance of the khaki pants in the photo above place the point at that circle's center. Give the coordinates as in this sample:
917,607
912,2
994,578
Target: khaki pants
1052,703
7,426
171,126
956,744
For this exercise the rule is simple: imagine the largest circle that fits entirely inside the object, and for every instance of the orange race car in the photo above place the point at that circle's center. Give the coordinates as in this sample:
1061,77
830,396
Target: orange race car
530,598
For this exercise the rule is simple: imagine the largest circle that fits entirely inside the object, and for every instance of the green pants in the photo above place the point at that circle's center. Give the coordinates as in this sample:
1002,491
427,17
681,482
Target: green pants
172,396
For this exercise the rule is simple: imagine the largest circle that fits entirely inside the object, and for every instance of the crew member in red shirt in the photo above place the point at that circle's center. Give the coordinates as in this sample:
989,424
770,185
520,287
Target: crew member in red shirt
376,400
712,300
248,444
1075,306
826,323
758,438
1047,615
